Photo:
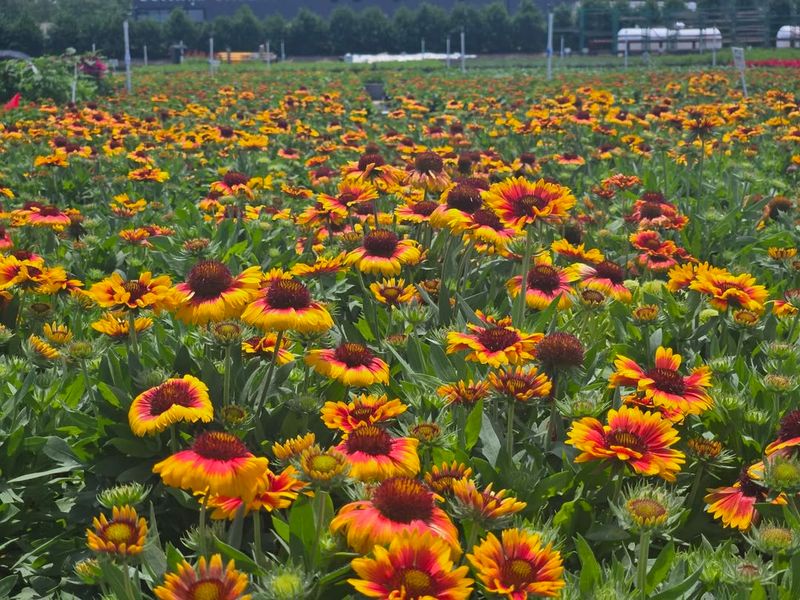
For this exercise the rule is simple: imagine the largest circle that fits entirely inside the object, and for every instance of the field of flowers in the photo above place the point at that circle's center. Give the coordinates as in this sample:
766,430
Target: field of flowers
500,338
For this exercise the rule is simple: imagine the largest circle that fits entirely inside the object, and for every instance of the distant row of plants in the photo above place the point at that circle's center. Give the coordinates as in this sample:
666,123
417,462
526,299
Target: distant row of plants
52,78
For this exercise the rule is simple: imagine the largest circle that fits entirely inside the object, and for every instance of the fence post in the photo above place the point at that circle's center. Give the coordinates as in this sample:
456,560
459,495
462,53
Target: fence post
549,46
127,40
463,51
448,52
144,49
581,33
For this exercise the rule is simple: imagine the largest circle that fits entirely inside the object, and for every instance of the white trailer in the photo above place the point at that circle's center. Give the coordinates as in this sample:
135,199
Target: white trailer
788,36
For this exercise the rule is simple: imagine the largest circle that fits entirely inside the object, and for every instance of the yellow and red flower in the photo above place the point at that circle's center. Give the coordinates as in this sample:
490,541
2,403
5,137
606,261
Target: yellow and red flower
397,505
279,492
217,463
735,505
497,344
639,439
366,409
147,291
518,566
211,293
264,347
441,478
484,505
428,173
124,535
519,202
725,289
208,580
375,455
788,433
663,385
607,277
414,566
545,283
175,400
351,363
393,292
115,325
286,304
383,252
522,384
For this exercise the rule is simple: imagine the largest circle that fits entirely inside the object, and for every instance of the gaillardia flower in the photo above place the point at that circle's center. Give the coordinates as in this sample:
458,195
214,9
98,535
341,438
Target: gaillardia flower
374,455
286,304
351,363
124,535
414,566
398,505
175,400
366,409
217,463
497,344
663,385
209,580
519,202
279,492
517,566
545,283
640,439
382,252
788,433
735,505
145,292
212,293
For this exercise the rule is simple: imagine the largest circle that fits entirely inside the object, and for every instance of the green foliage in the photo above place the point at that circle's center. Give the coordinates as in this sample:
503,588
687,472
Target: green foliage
46,78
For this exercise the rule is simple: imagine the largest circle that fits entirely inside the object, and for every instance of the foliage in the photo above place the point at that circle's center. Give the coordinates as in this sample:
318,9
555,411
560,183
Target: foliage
49,78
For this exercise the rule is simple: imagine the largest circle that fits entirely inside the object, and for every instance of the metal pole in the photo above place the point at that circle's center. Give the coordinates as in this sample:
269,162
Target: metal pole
562,46
549,46
448,51
94,48
211,54
626,53
283,51
423,47
128,82
269,55
144,49
463,51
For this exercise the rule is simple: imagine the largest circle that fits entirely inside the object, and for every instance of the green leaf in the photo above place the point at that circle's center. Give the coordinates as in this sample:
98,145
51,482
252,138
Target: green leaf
174,557
6,585
489,440
661,568
590,568
60,452
243,562
680,590
301,527
472,430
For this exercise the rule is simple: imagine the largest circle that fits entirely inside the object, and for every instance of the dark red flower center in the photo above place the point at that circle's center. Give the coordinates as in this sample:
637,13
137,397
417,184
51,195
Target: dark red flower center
667,380
287,293
208,279
233,178
135,289
347,198
49,211
498,338
424,208
169,394
536,200
428,162
370,159
626,439
650,210
560,350
364,208
369,440
416,583
790,426
225,131
362,413
464,197
544,278
487,218
654,197
611,271
381,242
516,573
527,158
218,445
354,355
402,499
749,487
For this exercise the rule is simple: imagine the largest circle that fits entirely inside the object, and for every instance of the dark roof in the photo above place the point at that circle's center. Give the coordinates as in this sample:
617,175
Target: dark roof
289,8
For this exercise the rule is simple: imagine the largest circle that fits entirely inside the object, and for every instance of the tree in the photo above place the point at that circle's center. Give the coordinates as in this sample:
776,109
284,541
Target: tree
249,33
404,22
469,18
179,27
275,30
21,34
150,33
430,24
308,34
497,28
345,31
375,30
528,25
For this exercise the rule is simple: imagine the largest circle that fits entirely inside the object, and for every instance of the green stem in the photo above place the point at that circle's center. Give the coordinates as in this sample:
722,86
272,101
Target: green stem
319,515
226,386
472,536
618,484
519,308
173,438
20,307
133,337
510,428
257,536
644,553
695,486
202,525
126,581
264,389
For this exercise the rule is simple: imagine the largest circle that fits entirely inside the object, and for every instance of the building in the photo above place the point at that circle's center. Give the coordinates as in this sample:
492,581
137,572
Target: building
204,10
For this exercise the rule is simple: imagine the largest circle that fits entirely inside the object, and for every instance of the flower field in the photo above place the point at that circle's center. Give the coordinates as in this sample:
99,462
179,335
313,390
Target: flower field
497,338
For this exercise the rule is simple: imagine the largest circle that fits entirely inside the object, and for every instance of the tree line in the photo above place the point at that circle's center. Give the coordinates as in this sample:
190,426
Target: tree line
80,24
